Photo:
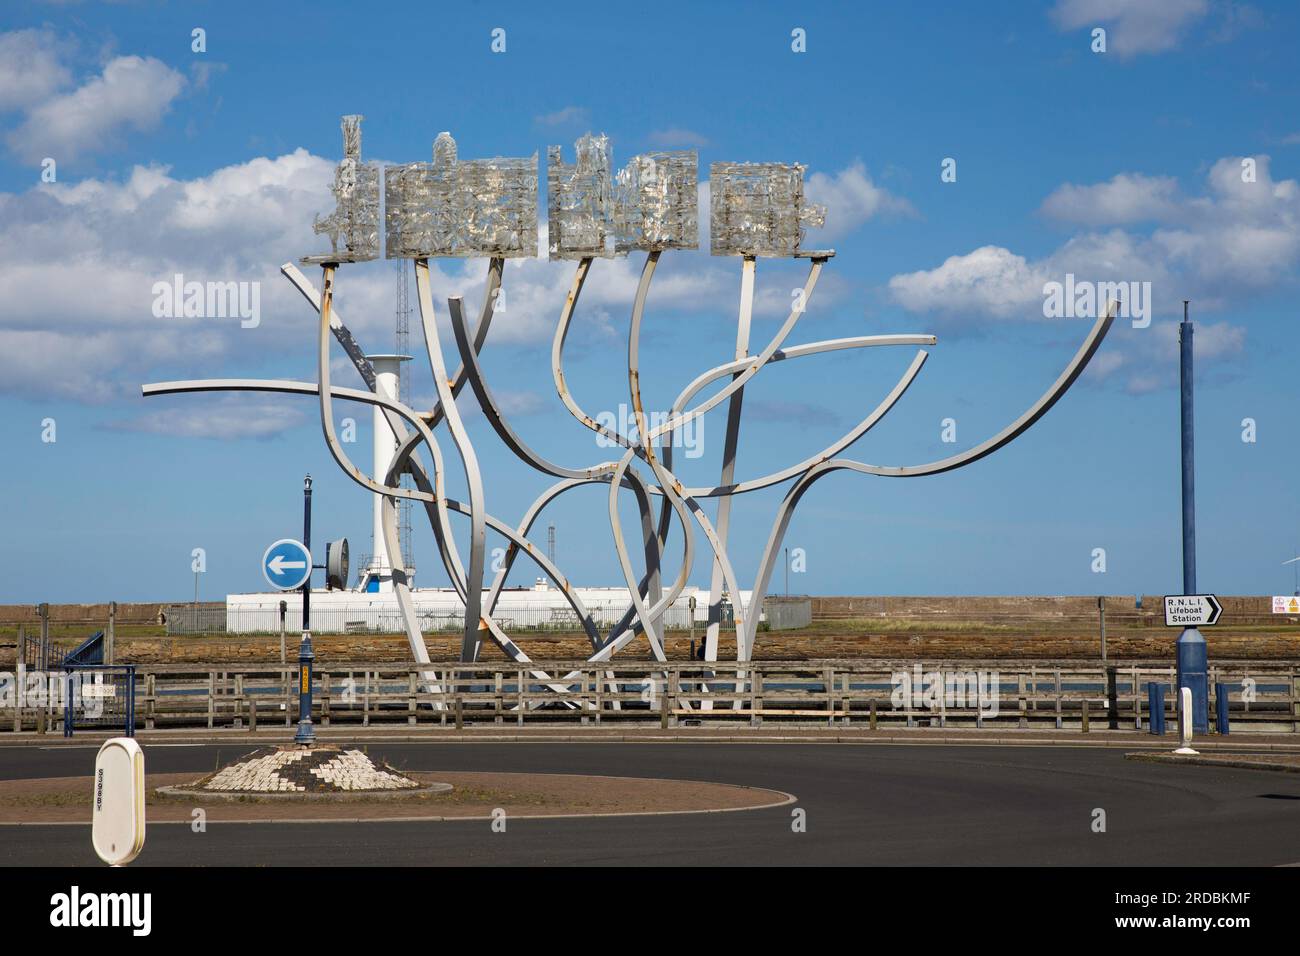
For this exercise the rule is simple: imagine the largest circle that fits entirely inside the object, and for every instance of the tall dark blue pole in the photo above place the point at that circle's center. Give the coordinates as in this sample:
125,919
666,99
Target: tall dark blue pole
1193,659
1189,452
306,734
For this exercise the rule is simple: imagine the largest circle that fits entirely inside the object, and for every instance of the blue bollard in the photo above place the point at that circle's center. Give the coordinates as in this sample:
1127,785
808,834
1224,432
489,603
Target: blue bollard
1156,707
1221,707
1192,668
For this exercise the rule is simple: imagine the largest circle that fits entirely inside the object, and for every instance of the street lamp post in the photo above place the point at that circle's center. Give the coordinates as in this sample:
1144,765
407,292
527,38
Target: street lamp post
306,735
1193,663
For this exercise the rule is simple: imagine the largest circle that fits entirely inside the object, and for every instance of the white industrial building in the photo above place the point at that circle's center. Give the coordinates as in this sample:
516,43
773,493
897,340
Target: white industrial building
518,609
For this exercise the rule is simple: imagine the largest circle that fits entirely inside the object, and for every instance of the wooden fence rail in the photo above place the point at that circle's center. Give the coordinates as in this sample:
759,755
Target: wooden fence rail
979,694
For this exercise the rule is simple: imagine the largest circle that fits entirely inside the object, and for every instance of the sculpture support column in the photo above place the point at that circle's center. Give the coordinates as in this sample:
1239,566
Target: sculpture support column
722,524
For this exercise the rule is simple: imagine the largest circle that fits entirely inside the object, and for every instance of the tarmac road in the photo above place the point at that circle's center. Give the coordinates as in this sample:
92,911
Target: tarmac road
865,804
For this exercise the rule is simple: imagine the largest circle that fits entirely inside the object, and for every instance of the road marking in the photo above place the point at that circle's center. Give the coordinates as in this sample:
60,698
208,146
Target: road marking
96,746
788,798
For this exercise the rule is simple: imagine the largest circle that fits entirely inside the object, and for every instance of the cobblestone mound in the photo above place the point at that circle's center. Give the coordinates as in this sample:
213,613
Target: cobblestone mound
305,770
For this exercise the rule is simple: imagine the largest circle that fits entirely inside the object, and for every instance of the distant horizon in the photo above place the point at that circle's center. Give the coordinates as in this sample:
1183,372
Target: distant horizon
778,595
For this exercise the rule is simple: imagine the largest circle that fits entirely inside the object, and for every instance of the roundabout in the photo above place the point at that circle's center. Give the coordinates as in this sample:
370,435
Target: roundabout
605,803
339,784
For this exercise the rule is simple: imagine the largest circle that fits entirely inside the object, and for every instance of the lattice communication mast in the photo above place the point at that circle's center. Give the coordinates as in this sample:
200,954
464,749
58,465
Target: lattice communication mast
403,346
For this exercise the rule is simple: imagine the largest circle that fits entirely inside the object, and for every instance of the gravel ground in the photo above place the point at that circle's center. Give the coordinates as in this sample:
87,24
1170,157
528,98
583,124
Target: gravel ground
68,799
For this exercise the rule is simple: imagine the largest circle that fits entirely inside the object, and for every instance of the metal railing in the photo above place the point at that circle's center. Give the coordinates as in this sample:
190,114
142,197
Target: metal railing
199,619
827,693
40,653
99,697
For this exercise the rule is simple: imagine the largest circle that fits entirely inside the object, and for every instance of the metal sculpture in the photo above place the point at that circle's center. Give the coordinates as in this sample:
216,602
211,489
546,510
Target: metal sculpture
354,224
488,208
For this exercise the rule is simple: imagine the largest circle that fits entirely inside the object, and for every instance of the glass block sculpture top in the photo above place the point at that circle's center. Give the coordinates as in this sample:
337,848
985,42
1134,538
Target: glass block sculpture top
420,205
353,226
579,200
450,207
758,209
656,203
498,206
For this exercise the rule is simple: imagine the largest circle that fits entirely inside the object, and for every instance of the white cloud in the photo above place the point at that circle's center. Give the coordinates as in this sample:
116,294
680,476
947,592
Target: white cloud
1133,26
568,116
90,366
990,280
677,138
850,198
78,264
30,68
995,283
132,93
1144,360
224,417
1127,198
1234,239
87,254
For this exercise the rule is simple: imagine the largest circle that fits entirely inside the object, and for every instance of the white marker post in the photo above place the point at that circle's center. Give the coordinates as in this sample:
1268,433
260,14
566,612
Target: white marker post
117,831
1185,722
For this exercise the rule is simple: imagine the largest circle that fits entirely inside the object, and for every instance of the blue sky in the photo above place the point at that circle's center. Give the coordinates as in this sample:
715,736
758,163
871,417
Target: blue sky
1123,165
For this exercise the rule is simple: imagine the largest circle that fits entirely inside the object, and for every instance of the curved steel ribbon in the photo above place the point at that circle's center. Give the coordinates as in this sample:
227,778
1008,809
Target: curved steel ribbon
669,486
442,527
358,357
557,357
849,437
729,444
474,622
446,544
370,398
1036,411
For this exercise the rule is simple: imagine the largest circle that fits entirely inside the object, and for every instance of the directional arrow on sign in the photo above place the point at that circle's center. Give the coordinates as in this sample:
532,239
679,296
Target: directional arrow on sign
279,565
1192,610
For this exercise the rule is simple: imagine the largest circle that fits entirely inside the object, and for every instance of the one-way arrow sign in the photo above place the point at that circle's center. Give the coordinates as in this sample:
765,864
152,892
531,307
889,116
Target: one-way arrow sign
1191,610
286,564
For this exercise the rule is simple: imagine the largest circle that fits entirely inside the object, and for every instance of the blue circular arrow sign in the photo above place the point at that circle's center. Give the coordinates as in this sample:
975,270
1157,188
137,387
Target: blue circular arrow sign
286,564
